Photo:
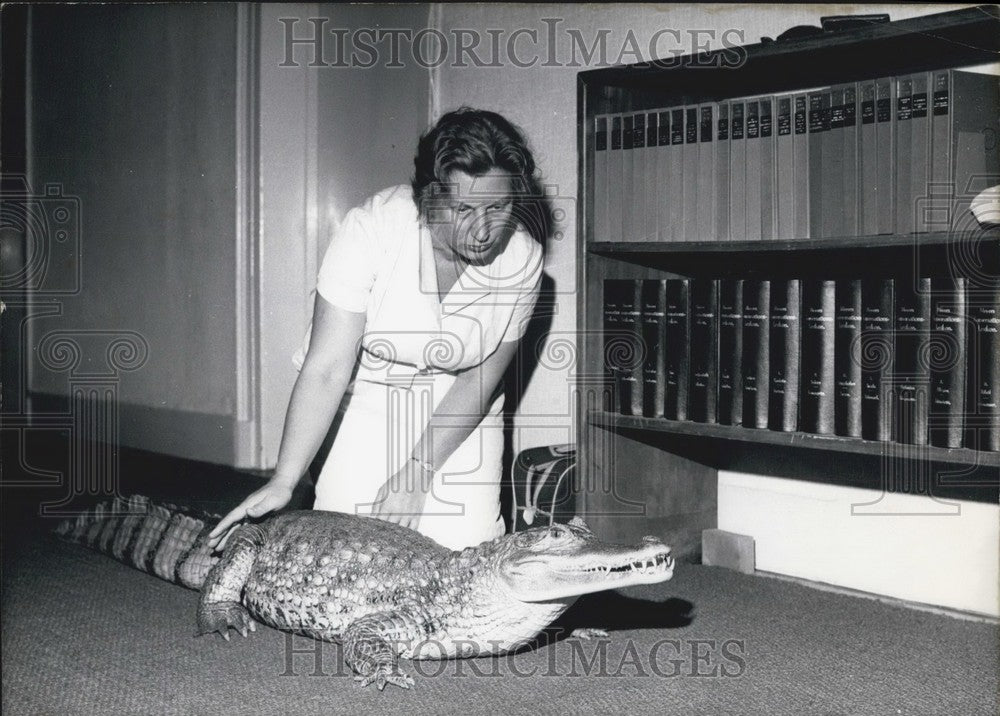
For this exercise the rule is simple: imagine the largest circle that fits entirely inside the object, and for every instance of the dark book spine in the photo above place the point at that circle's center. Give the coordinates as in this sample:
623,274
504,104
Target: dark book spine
911,371
677,349
756,354
654,329
847,359
632,327
703,394
947,355
818,341
615,348
876,357
984,366
730,406
785,349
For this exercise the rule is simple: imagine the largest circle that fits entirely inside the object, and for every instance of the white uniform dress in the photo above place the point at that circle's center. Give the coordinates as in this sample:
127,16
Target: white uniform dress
380,262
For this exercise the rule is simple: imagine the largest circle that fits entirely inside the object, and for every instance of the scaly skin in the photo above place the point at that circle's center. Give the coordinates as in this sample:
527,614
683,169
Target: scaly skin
386,592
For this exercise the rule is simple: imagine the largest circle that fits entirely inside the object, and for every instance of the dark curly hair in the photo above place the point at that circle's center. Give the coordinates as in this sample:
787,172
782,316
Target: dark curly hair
473,141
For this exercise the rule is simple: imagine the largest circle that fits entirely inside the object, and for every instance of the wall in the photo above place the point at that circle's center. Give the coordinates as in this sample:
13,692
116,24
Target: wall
131,112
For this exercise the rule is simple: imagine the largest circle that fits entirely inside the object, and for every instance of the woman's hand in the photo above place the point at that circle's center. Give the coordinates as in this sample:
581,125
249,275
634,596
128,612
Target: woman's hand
402,497
272,496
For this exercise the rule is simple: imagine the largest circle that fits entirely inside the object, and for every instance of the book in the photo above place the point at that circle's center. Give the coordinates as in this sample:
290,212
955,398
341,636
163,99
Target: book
816,404
653,191
819,122
615,185
785,349
676,188
600,189
885,160
753,171
628,178
833,165
737,172
639,178
983,369
964,156
904,172
850,224
677,349
877,327
730,401
664,177
703,393
920,150
784,171
721,203
847,359
705,199
654,331
623,353
947,353
756,351
800,167
768,178
867,162
911,371
689,173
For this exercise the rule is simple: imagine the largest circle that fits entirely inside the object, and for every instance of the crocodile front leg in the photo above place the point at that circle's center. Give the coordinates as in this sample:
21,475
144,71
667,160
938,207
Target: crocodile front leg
372,645
221,606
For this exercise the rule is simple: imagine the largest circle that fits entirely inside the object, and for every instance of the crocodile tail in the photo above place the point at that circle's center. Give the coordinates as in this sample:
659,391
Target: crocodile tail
162,539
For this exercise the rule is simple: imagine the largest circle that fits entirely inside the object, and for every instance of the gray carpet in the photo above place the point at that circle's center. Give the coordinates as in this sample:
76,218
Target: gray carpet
84,635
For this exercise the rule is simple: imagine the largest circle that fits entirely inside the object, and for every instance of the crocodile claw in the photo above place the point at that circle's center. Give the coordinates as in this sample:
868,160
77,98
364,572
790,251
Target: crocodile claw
383,676
220,616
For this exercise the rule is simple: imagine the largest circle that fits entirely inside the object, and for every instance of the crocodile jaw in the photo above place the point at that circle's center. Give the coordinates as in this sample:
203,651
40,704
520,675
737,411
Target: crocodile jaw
568,561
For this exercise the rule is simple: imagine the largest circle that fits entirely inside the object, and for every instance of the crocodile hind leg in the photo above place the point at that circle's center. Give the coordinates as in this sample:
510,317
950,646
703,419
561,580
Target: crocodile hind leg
372,645
220,606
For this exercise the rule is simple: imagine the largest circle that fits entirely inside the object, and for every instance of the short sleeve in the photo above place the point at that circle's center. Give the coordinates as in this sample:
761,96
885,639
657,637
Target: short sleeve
527,297
347,273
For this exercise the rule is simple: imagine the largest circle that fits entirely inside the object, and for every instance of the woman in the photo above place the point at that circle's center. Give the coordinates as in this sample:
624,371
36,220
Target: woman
422,297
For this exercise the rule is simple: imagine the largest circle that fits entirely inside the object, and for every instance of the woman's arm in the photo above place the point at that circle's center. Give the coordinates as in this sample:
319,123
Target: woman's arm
401,499
333,351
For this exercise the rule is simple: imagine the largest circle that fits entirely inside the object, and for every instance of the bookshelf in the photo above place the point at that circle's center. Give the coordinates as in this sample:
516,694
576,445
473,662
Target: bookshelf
646,475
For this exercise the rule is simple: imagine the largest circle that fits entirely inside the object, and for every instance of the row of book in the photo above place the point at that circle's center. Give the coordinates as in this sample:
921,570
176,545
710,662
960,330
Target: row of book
909,360
885,156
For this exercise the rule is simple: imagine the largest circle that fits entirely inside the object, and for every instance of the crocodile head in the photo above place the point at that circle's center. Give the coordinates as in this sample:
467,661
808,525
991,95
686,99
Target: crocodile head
564,561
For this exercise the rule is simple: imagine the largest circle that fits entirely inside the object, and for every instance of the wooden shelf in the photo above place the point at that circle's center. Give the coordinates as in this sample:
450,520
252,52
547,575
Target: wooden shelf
989,238
835,443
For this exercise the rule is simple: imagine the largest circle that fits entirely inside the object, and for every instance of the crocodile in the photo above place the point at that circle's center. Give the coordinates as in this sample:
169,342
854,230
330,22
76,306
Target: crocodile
383,591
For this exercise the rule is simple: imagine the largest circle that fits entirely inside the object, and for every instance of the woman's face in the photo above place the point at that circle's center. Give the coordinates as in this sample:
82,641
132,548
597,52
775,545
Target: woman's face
474,218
